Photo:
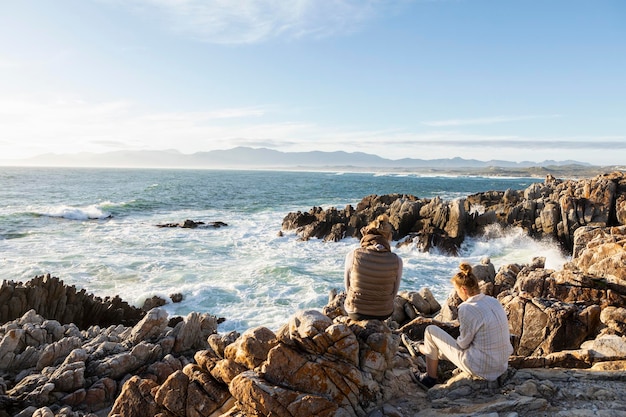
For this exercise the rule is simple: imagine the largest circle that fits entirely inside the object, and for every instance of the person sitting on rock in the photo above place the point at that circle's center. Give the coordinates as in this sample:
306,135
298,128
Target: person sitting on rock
483,346
372,273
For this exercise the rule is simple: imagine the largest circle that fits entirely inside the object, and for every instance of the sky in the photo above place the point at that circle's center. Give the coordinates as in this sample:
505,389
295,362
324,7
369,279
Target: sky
518,80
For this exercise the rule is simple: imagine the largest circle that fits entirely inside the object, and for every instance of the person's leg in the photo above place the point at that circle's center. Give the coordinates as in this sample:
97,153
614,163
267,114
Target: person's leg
431,367
431,348
360,317
438,344
432,340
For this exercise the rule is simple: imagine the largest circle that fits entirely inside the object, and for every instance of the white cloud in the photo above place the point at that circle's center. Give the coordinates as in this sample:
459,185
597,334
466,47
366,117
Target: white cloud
251,21
9,64
236,113
31,126
34,125
486,120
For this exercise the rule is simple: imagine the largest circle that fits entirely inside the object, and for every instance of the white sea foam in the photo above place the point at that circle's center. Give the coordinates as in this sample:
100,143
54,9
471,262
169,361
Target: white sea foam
512,245
90,212
244,272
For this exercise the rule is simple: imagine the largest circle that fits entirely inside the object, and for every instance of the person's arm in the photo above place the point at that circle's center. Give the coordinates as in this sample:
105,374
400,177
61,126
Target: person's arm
346,269
399,276
468,326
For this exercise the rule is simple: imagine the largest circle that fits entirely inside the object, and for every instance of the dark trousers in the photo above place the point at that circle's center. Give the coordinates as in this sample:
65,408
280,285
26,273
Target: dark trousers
359,317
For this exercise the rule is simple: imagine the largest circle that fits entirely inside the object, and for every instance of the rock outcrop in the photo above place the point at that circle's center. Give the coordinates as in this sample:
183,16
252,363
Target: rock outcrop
553,209
193,224
54,300
46,364
313,366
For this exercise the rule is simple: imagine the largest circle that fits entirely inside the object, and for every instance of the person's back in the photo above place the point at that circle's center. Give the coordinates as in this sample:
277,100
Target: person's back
488,352
483,346
373,282
372,273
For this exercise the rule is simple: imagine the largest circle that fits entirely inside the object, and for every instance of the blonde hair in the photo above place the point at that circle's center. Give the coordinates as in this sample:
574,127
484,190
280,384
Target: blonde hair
466,278
379,226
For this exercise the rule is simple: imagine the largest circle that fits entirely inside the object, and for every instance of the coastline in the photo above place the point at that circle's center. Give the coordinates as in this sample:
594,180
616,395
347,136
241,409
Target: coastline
156,365
539,172
558,171
94,235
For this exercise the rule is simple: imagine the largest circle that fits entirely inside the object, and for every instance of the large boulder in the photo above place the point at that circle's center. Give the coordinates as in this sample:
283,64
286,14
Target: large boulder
602,253
136,399
193,392
543,326
259,398
320,367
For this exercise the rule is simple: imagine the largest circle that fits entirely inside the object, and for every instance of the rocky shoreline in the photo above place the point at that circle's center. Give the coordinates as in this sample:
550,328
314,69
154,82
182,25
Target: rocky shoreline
554,209
67,353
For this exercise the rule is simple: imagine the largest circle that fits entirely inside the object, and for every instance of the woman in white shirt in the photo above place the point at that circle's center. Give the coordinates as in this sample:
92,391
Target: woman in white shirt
483,346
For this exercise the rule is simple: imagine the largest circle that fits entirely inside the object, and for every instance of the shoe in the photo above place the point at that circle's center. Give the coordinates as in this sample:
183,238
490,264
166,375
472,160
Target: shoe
425,381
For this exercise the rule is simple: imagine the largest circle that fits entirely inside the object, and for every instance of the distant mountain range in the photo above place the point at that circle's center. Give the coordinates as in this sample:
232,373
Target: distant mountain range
263,158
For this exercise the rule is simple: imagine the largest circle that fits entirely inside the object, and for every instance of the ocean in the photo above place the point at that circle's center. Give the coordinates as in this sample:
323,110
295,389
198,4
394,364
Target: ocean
97,229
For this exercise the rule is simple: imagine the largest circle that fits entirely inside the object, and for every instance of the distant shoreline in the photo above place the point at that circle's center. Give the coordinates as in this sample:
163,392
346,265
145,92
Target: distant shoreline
558,171
264,159
526,172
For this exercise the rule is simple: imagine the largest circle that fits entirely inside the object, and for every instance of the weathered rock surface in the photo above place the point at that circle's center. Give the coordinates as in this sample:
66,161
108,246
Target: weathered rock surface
553,209
46,364
313,366
530,392
602,254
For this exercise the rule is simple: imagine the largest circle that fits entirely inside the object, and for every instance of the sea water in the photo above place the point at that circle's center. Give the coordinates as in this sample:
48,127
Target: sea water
97,229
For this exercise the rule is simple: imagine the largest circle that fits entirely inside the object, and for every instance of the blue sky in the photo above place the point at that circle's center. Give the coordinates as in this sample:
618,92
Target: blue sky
498,79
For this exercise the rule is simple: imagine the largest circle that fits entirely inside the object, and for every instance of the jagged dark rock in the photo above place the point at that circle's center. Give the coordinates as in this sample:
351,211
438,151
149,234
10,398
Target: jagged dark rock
192,224
152,302
54,300
553,209
176,297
